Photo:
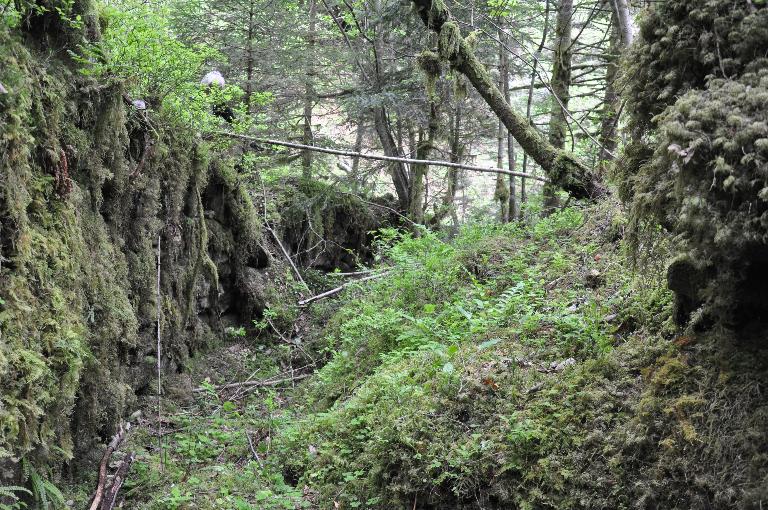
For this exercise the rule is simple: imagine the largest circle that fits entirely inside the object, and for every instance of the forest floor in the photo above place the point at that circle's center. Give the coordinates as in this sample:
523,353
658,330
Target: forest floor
478,371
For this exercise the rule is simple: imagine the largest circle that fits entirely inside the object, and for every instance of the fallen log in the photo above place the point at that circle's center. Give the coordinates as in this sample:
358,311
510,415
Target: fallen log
117,482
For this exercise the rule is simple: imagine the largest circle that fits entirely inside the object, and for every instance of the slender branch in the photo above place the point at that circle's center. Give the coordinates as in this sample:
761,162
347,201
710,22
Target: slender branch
250,384
111,447
381,158
339,289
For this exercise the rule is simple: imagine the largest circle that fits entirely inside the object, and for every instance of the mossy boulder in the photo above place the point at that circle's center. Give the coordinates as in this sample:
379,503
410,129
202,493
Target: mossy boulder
698,90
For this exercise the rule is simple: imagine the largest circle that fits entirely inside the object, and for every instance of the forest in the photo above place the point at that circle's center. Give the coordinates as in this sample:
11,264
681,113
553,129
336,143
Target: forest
383,254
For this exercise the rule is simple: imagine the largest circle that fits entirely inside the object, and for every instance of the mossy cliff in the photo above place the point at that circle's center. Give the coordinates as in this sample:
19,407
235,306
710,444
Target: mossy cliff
698,96
84,201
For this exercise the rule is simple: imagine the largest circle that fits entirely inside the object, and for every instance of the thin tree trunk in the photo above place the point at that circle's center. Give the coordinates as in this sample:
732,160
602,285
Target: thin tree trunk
423,151
359,135
501,193
561,88
621,9
537,55
561,167
249,63
309,89
398,170
448,205
512,207
610,115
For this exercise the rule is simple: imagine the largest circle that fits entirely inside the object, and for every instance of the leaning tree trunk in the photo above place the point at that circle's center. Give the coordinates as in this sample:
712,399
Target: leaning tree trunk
561,90
562,167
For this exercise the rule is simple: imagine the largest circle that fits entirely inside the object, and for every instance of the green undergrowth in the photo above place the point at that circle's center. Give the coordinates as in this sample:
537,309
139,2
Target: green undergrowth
519,366
475,373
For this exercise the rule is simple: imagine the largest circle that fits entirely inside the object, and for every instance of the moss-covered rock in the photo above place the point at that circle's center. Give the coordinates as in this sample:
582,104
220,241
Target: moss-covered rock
84,201
698,93
328,229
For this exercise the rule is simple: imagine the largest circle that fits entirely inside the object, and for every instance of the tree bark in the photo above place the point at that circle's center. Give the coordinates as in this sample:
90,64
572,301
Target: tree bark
447,205
560,85
544,34
561,167
309,89
249,63
398,170
359,135
419,171
624,17
512,207
610,117
502,190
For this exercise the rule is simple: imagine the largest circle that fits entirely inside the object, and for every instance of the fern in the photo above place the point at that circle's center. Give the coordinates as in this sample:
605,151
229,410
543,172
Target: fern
44,492
9,491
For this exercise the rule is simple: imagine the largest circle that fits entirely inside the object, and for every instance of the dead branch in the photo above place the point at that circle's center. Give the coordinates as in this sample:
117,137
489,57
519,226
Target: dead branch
117,482
117,439
339,289
353,273
250,384
361,155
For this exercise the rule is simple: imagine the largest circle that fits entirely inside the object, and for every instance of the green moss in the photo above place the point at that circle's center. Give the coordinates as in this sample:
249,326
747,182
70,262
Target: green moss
698,86
79,225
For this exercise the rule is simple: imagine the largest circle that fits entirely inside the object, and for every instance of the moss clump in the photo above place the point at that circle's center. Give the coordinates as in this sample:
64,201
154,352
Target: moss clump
449,41
429,63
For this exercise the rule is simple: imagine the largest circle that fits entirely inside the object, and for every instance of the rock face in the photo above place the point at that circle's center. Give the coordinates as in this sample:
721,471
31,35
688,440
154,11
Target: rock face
87,190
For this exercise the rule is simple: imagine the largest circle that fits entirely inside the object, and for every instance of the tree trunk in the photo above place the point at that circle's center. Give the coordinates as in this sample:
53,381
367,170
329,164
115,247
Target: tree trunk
359,135
561,90
448,205
309,89
561,167
249,63
502,190
512,207
624,17
537,55
398,171
610,116
419,171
